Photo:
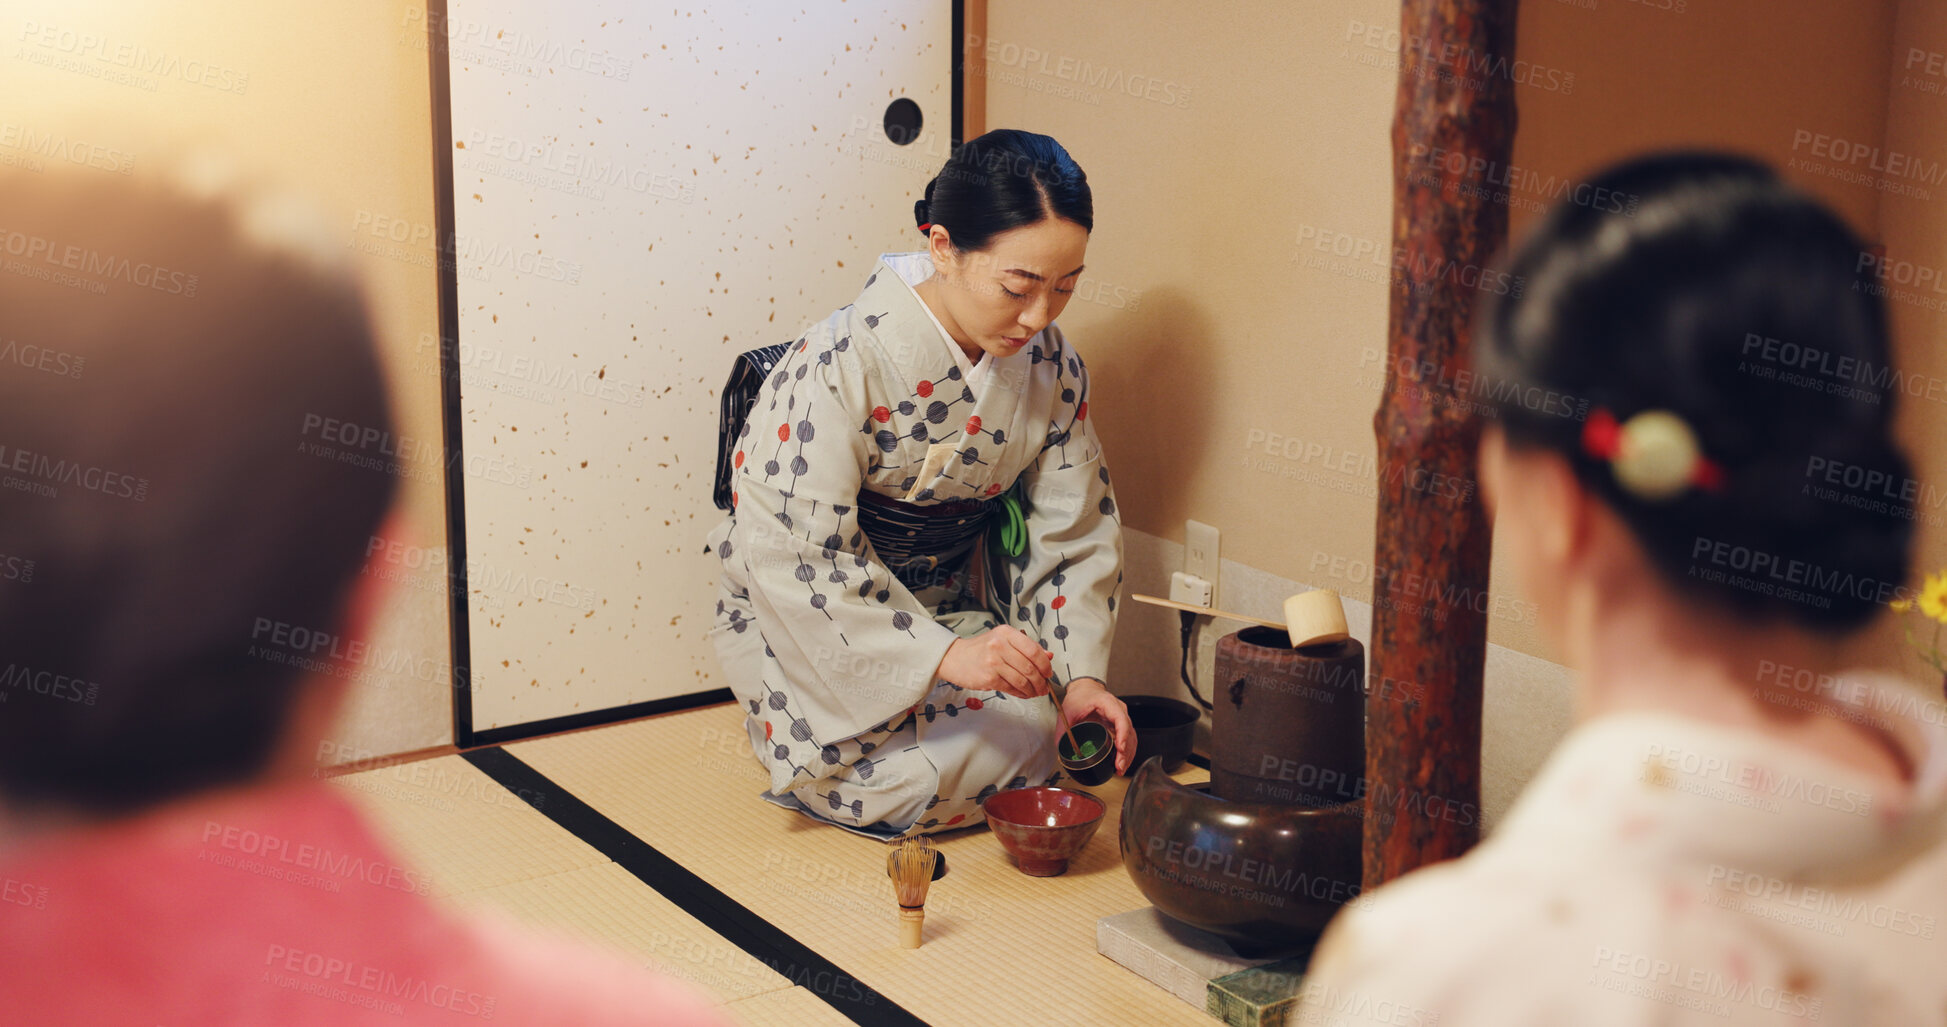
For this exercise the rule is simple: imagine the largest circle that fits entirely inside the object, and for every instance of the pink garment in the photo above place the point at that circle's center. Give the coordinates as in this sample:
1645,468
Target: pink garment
277,906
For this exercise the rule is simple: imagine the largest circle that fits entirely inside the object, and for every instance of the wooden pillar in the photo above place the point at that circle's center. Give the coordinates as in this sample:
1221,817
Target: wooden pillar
972,69
1453,132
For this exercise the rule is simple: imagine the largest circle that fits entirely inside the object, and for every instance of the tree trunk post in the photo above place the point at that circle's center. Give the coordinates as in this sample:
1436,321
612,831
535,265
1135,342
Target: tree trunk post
1453,133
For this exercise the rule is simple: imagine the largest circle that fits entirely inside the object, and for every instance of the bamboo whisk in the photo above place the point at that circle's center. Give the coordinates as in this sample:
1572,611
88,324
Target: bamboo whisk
911,868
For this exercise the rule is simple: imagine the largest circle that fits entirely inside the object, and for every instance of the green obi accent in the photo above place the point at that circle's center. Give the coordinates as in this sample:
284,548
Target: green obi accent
1010,524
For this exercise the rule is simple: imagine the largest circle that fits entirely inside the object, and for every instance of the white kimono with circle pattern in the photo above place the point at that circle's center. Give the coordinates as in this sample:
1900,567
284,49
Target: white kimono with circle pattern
832,657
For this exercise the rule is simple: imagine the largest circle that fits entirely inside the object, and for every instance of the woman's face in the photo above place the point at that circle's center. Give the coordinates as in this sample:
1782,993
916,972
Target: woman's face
998,298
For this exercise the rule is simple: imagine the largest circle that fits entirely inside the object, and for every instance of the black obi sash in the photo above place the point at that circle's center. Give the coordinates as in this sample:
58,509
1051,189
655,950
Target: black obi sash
922,544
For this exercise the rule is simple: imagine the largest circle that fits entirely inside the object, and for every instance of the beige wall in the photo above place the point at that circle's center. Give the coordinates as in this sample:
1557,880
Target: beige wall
1201,329
1914,230
332,102
1223,326
1736,75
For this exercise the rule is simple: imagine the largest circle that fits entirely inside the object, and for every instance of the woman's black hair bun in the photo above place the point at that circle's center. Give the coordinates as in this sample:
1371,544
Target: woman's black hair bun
1004,180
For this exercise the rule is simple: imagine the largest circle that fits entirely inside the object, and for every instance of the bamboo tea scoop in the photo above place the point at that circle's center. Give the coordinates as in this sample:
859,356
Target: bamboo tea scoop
1058,694
1310,618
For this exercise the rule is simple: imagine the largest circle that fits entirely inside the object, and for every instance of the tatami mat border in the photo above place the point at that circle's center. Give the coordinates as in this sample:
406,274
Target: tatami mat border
737,924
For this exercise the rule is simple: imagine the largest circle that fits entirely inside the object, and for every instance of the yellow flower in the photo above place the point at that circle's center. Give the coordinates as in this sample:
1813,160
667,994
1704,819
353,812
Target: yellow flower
1899,606
1933,597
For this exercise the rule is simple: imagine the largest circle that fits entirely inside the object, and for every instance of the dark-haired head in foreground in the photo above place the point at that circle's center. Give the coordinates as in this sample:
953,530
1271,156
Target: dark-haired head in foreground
169,491
1646,443
1703,299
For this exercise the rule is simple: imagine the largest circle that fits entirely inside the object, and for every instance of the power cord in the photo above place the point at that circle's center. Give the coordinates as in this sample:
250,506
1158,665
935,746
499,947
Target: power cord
1189,629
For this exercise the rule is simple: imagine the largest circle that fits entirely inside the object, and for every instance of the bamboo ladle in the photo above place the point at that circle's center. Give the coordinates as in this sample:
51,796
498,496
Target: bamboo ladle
1316,617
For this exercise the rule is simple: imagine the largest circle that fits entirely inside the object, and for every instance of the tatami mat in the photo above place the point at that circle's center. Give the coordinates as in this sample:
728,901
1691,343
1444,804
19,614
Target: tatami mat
461,827
1000,947
611,907
792,1007
483,847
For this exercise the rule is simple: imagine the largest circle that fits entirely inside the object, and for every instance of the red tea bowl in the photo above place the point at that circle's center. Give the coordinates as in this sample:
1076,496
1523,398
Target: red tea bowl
1043,828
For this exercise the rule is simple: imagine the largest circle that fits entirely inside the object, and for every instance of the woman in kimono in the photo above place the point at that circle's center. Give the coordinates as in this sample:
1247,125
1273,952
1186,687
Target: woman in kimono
923,536
1738,829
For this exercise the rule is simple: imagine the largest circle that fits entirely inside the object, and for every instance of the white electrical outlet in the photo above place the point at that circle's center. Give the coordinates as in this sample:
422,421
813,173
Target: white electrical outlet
1188,588
1200,554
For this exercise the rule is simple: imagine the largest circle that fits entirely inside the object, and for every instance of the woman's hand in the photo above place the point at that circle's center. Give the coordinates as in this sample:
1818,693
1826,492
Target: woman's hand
1001,659
1089,699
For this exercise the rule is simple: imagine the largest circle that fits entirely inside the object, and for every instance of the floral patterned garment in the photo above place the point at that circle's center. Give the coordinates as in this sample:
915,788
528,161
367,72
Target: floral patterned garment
1665,870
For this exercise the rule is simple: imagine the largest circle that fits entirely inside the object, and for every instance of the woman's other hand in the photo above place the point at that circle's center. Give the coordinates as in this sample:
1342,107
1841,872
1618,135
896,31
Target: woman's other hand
1001,659
1089,699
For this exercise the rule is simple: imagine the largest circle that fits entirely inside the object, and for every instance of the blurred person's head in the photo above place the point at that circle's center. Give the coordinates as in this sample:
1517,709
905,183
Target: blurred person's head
1674,381
175,475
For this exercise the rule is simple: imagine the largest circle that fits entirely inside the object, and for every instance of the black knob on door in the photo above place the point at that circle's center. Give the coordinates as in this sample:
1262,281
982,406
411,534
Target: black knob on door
902,121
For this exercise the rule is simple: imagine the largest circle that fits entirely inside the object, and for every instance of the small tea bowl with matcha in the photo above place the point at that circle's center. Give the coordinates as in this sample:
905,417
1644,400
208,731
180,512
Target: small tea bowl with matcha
1090,758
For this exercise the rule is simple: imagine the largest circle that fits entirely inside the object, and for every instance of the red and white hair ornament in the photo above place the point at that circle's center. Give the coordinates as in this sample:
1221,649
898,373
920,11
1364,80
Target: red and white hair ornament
1654,455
